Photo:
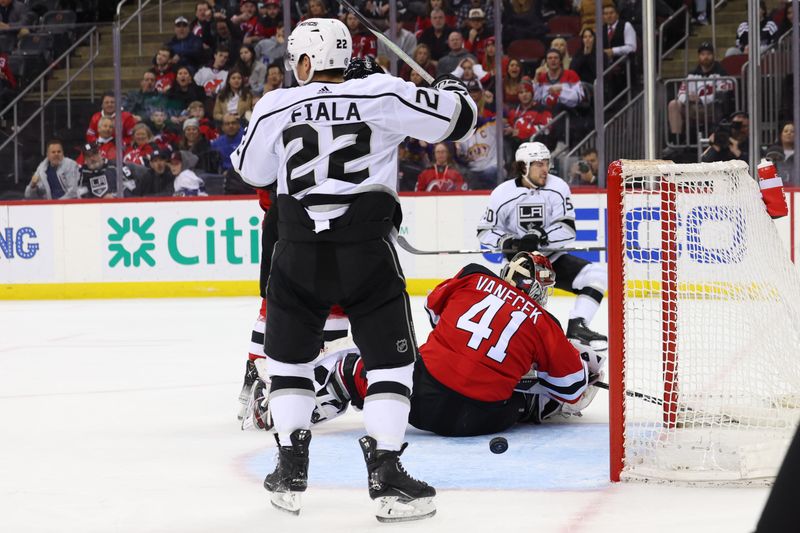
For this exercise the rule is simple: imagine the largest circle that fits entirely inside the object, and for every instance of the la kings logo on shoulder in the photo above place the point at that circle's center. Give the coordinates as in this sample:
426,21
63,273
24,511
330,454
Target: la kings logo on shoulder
530,215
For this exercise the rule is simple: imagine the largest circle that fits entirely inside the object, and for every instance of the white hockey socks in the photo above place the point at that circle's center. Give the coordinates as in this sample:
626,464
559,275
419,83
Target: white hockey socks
585,307
387,404
291,397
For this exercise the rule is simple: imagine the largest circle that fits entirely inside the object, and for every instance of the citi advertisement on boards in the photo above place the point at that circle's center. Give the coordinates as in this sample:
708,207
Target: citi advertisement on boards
220,240
168,241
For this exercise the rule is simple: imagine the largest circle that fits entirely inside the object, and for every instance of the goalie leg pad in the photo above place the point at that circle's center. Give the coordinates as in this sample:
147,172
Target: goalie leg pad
595,358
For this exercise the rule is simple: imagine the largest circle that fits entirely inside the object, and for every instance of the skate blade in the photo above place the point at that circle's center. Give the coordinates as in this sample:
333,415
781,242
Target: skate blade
288,502
392,509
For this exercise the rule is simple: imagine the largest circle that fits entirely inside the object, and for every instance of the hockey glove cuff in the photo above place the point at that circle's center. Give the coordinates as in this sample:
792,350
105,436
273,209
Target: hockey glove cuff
447,82
509,245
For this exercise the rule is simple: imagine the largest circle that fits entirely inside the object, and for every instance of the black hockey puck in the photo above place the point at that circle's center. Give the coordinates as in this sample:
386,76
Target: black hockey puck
498,445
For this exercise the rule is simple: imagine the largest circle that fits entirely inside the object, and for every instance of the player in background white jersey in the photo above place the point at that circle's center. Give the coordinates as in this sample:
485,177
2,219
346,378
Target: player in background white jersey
331,146
533,212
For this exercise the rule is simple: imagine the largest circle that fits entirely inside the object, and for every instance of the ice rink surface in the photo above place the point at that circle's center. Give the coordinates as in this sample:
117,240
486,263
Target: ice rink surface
120,416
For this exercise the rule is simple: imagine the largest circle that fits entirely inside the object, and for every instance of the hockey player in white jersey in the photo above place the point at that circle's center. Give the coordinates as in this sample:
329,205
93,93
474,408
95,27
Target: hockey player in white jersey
533,212
331,146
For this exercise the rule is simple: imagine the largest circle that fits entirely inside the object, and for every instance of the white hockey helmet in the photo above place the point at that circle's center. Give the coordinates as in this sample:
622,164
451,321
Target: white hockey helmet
529,152
326,42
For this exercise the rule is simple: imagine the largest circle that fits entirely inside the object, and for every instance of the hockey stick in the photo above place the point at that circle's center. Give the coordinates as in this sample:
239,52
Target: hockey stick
722,418
405,245
388,42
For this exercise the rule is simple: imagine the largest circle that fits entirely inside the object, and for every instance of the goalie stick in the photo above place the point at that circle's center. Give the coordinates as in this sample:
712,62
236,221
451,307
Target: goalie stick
720,418
405,245
388,42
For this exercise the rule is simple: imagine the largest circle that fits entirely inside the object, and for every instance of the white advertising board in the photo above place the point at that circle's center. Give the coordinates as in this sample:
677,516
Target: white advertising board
137,248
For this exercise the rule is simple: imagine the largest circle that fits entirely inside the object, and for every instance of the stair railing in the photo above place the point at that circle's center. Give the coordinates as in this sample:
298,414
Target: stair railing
90,37
662,54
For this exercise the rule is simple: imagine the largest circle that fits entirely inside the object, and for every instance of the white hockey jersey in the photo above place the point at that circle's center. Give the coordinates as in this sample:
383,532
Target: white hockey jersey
325,142
515,210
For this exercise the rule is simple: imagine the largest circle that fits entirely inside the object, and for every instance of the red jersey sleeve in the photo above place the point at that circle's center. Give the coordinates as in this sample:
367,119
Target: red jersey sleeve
436,300
91,131
128,122
559,367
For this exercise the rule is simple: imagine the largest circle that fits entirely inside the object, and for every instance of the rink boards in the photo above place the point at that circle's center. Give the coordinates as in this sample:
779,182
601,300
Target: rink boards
211,247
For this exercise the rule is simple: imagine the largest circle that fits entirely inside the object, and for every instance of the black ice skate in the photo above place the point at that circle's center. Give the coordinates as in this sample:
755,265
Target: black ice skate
257,414
401,497
250,375
577,329
290,478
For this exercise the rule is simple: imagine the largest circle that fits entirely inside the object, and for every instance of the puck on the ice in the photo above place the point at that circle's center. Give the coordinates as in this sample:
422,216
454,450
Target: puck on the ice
498,445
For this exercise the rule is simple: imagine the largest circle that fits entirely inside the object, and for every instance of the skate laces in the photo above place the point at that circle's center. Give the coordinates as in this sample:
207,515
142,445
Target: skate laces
399,464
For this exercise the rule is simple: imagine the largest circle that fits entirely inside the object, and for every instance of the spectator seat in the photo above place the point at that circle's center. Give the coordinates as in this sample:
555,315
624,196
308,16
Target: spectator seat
564,25
61,25
41,7
733,64
526,50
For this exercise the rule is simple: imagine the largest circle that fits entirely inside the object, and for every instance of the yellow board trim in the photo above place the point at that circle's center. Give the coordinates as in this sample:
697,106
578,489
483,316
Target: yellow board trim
139,289
163,289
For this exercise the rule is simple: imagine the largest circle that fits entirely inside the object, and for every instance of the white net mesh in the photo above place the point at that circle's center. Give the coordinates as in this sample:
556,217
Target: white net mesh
711,326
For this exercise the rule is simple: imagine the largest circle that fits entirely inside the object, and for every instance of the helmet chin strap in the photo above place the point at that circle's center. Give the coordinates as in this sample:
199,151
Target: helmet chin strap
526,179
310,72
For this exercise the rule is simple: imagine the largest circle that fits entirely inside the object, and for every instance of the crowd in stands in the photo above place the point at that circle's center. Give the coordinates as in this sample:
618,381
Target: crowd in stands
188,114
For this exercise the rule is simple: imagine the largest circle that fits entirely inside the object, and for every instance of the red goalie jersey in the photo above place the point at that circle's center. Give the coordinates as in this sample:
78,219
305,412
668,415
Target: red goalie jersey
487,334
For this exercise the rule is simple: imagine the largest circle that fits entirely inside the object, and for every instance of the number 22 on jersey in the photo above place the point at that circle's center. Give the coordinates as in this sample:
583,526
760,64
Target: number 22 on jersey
482,330
309,150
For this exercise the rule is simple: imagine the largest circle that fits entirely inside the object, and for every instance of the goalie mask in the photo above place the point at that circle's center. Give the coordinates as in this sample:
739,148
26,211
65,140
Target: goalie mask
326,42
532,273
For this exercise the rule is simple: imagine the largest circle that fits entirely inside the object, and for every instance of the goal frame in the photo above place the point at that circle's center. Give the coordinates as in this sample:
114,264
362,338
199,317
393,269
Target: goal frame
616,308
616,331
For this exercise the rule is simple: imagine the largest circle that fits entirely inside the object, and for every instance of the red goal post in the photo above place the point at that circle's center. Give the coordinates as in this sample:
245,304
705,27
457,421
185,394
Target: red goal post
704,314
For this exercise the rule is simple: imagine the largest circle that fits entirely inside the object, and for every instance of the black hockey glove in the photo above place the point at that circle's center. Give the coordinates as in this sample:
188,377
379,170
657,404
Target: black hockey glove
531,241
447,82
509,245
361,67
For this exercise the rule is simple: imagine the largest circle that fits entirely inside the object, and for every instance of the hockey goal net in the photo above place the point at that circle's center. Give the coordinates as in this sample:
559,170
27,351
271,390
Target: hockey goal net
704,322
